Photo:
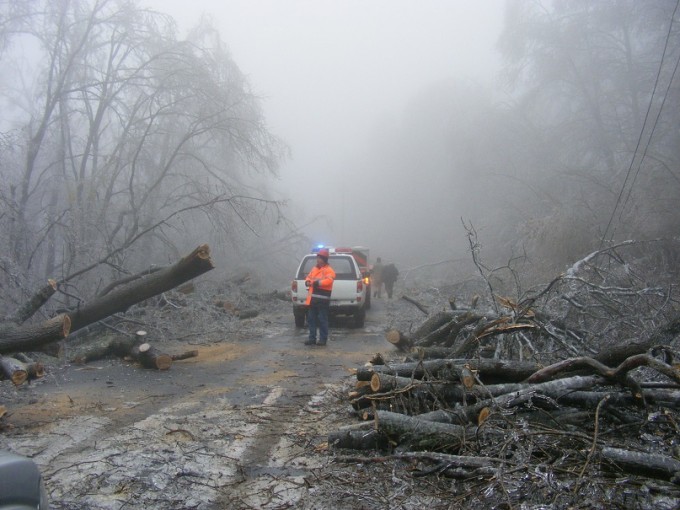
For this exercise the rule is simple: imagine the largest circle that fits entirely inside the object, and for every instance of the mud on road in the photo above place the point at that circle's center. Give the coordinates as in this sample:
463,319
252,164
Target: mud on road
242,425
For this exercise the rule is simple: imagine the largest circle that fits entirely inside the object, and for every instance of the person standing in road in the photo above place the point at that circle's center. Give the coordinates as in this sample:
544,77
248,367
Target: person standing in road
319,281
389,276
376,278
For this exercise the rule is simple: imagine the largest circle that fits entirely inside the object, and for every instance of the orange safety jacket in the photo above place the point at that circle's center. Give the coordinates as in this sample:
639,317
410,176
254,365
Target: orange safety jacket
322,293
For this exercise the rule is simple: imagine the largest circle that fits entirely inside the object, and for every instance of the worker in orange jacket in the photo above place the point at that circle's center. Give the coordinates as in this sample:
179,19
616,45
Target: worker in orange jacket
319,281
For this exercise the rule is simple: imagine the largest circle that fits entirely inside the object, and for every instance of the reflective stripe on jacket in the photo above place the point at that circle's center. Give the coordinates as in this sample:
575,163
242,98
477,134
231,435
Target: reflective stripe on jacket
322,294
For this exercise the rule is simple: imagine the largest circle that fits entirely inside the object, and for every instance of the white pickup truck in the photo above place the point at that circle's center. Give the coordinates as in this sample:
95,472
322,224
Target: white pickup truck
348,296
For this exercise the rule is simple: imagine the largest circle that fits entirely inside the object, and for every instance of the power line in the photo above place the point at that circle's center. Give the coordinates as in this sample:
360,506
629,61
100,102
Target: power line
649,141
644,124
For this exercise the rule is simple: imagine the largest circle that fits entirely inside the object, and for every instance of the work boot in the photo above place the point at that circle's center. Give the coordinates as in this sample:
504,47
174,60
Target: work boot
311,341
321,342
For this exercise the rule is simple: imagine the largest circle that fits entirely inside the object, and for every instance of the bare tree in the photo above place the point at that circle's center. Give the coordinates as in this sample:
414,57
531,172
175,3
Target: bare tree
136,144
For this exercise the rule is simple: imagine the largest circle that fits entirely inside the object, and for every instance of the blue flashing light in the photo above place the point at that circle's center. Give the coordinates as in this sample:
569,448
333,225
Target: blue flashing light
317,248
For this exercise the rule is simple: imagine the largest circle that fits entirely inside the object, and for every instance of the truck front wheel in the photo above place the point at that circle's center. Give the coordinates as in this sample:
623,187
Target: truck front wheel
299,319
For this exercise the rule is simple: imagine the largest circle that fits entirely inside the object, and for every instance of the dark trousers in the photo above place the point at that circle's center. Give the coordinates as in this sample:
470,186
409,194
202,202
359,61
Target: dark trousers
317,318
389,287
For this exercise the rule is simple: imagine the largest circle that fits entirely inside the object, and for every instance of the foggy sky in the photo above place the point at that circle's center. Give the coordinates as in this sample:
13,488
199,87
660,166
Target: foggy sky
332,75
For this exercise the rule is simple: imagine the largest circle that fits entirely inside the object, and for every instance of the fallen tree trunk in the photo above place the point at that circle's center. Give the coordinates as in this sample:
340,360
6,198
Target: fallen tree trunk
658,466
119,300
103,347
33,337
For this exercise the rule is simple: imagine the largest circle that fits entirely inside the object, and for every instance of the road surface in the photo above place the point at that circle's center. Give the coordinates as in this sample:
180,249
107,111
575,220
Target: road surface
243,425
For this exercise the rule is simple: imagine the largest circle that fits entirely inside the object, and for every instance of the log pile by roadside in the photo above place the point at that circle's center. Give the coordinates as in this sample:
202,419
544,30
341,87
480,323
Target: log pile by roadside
518,391
473,414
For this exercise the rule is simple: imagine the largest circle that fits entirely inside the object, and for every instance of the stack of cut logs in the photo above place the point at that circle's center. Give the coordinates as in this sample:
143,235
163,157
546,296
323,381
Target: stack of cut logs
466,413
20,369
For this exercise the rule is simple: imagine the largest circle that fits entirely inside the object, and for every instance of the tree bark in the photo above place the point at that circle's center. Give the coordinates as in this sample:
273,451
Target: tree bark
102,347
33,337
658,466
357,439
35,303
489,371
422,434
399,340
13,370
119,300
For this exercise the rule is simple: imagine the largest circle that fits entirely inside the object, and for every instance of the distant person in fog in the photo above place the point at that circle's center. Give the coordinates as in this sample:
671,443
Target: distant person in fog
376,278
389,276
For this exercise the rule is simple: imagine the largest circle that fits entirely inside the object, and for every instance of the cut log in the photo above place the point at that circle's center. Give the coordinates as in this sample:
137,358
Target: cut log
19,371
35,369
421,434
103,347
13,370
399,340
150,357
358,398
425,392
34,336
383,383
358,439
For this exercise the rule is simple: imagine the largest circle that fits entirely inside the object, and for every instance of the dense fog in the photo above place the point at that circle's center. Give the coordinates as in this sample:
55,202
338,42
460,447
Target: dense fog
407,119
534,132
344,84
